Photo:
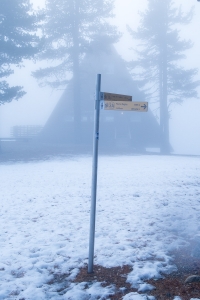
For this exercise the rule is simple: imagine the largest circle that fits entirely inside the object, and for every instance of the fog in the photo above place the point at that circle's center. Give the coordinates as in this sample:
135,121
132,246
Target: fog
37,105
147,208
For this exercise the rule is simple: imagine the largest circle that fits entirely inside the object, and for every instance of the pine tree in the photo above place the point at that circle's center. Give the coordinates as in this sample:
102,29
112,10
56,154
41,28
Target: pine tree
17,42
68,30
158,67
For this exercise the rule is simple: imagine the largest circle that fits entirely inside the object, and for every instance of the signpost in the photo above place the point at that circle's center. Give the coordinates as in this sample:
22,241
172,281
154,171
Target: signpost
94,175
124,105
106,101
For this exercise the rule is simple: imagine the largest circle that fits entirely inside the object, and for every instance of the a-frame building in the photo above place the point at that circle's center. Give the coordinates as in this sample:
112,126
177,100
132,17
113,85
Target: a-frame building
127,130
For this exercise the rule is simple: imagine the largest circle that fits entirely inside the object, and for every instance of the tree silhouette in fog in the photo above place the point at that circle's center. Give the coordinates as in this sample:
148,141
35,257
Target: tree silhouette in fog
69,28
17,42
158,67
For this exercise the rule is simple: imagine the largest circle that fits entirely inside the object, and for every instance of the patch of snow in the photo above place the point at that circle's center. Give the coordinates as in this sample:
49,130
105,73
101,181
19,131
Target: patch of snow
145,287
144,270
95,291
146,207
136,296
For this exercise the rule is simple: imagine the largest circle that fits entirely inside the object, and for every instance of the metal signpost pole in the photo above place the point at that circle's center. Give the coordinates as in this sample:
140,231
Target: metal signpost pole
94,175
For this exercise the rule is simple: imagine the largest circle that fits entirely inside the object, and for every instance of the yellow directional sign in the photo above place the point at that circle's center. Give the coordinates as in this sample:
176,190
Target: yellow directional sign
114,97
124,105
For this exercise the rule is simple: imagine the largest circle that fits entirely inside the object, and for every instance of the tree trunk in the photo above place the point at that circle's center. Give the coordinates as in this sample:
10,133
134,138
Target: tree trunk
165,144
76,76
164,113
76,103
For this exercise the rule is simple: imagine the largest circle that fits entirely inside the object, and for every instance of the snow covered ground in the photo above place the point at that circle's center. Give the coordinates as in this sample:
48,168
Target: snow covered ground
146,206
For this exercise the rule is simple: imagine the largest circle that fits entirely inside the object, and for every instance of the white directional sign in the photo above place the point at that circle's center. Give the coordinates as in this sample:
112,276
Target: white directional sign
114,97
124,105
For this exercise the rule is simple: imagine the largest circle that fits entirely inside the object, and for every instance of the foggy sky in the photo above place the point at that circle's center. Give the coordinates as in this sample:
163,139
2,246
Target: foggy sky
36,106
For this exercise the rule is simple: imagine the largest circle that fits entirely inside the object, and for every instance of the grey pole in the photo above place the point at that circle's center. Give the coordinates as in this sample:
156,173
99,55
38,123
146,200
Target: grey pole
94,175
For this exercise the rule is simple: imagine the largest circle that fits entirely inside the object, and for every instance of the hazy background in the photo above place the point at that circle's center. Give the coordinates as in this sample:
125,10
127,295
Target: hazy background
36,106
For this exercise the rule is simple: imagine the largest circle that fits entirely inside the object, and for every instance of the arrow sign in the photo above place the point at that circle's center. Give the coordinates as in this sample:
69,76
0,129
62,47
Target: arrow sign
124,105
144,106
